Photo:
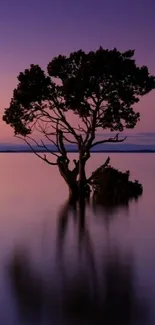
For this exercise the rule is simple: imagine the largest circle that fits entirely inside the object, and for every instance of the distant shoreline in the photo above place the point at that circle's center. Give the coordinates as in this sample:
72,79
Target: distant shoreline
72,151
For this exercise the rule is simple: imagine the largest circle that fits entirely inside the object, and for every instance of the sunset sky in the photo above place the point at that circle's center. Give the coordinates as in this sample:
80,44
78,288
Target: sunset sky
33,31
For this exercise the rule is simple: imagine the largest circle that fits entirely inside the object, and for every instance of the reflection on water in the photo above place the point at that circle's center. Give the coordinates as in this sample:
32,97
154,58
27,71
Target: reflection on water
89,293
62,263
27,285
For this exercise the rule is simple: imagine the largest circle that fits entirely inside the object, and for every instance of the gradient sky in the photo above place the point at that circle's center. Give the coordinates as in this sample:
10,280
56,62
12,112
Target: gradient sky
33,31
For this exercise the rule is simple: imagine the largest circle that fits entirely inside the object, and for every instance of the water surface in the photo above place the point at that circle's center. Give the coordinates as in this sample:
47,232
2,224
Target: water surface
51,259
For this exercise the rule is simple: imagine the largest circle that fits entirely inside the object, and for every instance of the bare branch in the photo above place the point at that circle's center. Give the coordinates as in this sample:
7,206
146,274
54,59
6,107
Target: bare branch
45,116
36,153
49,139
70,128
57,138
51,119
82,129
86,121
70,141
87,132
52,141
93,127
50,151
62,118
110,140
61,143
35,141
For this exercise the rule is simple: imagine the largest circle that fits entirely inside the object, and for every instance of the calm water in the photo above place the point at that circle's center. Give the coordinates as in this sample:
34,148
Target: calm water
58,268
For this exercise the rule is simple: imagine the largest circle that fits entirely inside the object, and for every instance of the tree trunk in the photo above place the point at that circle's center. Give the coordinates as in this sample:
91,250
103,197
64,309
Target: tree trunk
70,178
84,189
77,188
82,177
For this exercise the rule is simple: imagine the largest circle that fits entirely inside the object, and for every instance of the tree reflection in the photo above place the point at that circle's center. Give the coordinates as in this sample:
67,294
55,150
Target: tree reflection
90,294
26,285
116,302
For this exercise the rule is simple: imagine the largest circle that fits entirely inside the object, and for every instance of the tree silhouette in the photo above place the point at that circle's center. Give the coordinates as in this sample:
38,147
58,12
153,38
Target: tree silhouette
99,87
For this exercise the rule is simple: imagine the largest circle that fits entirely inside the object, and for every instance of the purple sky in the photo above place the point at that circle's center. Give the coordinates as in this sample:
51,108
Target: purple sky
35,31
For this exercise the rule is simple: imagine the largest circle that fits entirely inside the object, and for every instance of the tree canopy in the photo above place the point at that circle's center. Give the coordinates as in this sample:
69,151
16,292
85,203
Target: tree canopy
100,87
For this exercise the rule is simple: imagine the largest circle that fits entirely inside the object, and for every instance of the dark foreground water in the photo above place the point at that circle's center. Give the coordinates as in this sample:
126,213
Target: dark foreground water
67,265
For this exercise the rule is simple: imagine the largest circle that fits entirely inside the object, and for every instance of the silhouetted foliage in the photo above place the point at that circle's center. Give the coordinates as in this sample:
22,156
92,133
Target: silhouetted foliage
113,187
100,87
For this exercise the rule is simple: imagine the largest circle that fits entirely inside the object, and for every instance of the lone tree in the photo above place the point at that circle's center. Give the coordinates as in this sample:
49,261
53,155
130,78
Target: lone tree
99,87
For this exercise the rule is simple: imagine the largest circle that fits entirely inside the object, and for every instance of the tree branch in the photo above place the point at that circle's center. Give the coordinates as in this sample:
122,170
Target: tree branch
70,141
63,119
61,143
110,140
35,152
93,127
51,119
47,149
52,141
